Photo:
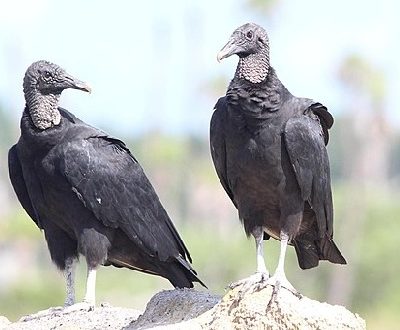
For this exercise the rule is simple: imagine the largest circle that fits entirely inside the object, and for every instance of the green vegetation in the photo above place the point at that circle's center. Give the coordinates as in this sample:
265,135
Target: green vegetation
222,254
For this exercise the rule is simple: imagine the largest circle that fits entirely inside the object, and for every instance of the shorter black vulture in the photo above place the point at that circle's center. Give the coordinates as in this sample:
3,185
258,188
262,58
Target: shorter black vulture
268,148
87,192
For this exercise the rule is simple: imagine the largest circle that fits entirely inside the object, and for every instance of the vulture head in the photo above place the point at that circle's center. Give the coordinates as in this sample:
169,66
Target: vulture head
246,40
43,85
48,78
250,42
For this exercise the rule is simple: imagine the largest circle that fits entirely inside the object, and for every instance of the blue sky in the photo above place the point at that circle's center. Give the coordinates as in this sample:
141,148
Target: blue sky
149,63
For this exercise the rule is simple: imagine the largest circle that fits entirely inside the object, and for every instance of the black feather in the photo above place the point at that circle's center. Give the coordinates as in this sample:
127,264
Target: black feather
268,149
89,194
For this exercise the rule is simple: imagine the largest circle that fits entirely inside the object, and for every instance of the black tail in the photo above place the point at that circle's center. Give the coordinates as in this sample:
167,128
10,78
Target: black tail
329,251
181,274
310,253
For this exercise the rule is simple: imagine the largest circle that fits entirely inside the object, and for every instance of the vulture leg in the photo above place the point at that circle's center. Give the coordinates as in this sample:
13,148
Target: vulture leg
88,302
262,273
279,278
258,234
69,273
90,296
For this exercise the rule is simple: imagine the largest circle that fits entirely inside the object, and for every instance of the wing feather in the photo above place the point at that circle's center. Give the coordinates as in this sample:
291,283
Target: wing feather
110,182
19,185
218,146
305,143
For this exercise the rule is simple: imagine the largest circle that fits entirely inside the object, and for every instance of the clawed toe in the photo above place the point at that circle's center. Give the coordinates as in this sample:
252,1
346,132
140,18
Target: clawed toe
257,278
82,306
279,282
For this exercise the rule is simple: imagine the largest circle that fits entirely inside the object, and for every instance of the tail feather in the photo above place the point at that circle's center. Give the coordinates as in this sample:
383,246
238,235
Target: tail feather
189,274
178,272
309,253
329,251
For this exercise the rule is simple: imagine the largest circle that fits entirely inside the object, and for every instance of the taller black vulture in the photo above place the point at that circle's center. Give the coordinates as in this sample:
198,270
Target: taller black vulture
87,192
268,148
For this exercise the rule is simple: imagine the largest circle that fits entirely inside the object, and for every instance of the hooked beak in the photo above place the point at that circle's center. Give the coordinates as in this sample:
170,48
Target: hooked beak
74,83
229,49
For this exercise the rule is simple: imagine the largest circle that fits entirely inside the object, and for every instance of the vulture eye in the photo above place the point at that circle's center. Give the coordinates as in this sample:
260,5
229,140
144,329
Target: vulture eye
249,35
47,74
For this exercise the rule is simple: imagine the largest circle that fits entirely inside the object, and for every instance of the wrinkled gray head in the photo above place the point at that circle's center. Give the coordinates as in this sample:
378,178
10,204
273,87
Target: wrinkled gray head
48,78
247,39
43,85
250,42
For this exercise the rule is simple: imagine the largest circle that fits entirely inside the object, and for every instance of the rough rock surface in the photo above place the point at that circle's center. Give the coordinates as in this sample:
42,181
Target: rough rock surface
174,308
106,317
4,322
259,307
244,307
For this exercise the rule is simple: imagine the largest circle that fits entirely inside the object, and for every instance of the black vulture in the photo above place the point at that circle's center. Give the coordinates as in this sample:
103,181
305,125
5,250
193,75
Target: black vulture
88,193
268,149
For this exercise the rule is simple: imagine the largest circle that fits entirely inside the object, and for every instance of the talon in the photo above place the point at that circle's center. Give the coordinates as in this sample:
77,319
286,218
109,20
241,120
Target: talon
254,281
264,276
274,295
82,306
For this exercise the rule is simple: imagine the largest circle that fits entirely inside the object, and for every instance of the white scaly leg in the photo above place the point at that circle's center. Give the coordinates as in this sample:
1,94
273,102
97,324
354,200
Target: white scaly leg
90,296
69,274
88,302
259,238
279,278
262,273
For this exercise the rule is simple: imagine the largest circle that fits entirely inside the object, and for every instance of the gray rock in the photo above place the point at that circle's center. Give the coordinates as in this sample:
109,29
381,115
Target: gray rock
72,318
244,307
259,308
173,307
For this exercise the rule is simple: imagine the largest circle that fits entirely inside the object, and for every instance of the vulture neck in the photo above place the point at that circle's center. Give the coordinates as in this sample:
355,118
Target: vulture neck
43,109
254,67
